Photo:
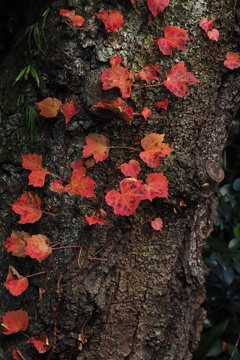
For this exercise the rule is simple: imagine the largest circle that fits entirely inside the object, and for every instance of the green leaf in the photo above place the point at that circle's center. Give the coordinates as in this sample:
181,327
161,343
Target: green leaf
234,243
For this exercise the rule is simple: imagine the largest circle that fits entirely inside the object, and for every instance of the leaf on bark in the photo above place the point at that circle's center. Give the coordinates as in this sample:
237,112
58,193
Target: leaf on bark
232,61
157,224
15,282
174,38
150,72
38,247
40,342
28,207
118,106
156,6
69,109
156,186
112,21
132,169
14,321
49,107
16,243
162,104
33,162
70,14
146,113
97,145
154,148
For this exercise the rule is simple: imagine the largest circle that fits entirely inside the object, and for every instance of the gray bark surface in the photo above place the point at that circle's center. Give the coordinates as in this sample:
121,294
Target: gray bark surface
142,302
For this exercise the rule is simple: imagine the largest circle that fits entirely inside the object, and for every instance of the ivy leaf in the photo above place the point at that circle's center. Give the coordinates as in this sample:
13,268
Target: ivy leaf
156,186
112,21
15,282
162,104
206,24
40,342
115,60
154,148
97,145
69,109
118,76
150,72
49,107
127,200
38,247
213,34
177,77
16,243
175,38
33,162
14,321
28,207
232,61
155,6
119,107
146,113
132,169
96,219
70,14
157,224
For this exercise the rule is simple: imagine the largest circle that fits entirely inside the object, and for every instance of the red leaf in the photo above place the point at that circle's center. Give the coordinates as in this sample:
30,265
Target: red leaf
157,224
154,148
38,247
146,113
17,243
206,24
15,282
112,21
33,162
213,34
94,219
49,107
156,186
17,355
127,200
177,77
118,106
70,14
155,6
118,76
97,145
132,169
115,60
162,104
89,163
15,321
28,207
150,72
69,109
232,61
175,38
40,342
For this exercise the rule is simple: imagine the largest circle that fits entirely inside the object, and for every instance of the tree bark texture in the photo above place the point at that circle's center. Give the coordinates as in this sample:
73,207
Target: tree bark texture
133,293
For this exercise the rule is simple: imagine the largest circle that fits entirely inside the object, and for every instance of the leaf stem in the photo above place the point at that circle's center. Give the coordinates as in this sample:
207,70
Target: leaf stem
66,247
123,147
39,273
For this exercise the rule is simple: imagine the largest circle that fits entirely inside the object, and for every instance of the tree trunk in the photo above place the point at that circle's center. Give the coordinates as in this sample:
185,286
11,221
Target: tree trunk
132,292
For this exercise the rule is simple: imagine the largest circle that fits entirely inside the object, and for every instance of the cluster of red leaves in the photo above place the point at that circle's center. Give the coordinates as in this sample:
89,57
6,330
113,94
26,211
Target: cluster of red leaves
70,14
51,106
174,38
117,76
112,21
207,25
22,244
79,184
232,61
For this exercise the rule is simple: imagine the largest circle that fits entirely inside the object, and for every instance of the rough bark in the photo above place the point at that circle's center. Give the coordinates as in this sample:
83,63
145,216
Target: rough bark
143,301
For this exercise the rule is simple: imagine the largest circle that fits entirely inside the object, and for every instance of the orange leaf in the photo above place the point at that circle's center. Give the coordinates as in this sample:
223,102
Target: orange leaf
118,76
146,113
17,243
150,72
127,200
162,104
119,107
33,162
154,148
132,169
156,186
38,247
155,6
112,21
49,107
15,321
28,207
157,224
69,109
175,38
232,61
177,77
97,145
40,342
70,14
15,282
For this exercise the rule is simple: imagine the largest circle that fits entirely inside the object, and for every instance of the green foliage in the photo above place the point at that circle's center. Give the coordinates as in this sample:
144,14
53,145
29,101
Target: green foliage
31,120
221,334
24,73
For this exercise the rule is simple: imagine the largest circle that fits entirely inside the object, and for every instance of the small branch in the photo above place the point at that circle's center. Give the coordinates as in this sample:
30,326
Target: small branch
49,213
39,273
123,147
66,247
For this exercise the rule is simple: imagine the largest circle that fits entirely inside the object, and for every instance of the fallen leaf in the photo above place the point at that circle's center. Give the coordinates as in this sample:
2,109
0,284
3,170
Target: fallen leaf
33,162
49,107
119,107
162,104
38,247
150,72
174,38
155,6
154,148
95,219
206,24
213,34
156,186
157,224
97,145
232,61
14,321
112,21
69,109
15,282
146,113
70,14
28,207
40,342
16,243
132,169
177,77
